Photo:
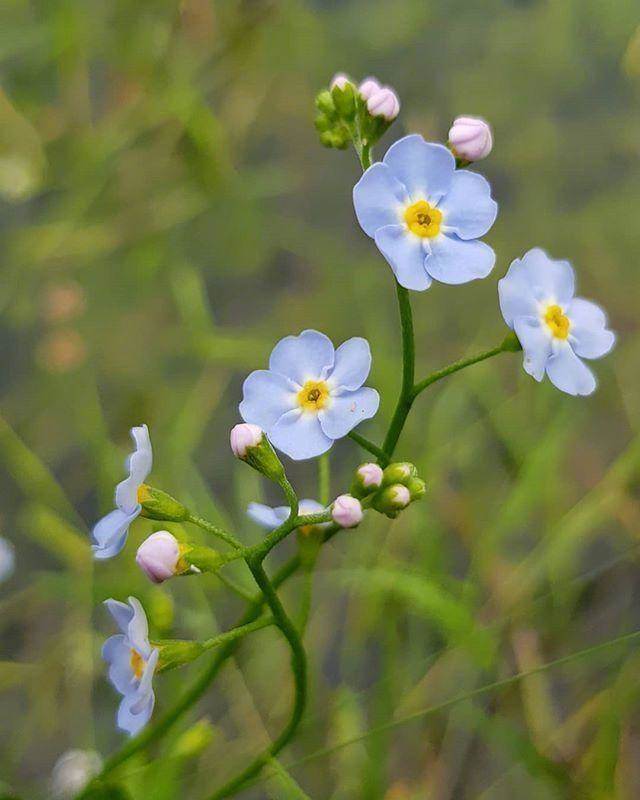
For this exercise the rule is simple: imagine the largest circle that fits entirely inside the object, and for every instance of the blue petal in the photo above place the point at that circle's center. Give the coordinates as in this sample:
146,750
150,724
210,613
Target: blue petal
588,334
455,261
536,345
568,373
134,721
549,280
117,653
405,253
352,365
308,356
308,506
266,397
348,410
138,629
110,533
515,294
139,465
468,209
378,198
425,169
267,517
299,435
121,612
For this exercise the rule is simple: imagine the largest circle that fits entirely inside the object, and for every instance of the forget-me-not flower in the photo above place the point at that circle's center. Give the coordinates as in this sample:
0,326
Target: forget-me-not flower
311,394
132,662
556,329
426,217
110,533
271,518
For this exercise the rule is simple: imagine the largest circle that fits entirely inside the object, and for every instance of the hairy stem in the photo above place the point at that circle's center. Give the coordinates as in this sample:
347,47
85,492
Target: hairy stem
209,527
370,447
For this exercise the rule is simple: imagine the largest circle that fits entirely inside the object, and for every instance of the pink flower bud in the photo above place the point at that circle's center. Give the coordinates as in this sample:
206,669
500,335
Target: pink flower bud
340,80
370,475
243,436
471,138
399,496
346,511
158,556
384,103
368,87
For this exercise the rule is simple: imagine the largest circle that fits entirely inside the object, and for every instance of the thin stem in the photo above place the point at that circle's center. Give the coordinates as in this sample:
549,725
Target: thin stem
237,633
299,667
455,367
324,479
370,447
209,527
406,397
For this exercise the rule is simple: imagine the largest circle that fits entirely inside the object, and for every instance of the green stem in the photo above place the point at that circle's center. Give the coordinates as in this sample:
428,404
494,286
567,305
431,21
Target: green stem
406,397
299,667
209,527
370,447
324,479
237,633
456,366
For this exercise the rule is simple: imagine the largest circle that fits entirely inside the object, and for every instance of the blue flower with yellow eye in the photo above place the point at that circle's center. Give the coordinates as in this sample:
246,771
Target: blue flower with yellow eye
110,533
132,661
425,216
311,394
556,329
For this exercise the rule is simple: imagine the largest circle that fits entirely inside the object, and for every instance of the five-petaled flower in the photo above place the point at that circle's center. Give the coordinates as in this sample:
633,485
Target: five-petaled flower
132,662
271,518
311,394
426,217
556,329
110,533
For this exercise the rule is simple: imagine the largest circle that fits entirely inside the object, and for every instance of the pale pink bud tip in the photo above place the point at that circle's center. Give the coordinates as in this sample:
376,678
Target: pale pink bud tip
368,87
340,80
243,436
384,103
371,475
471,138
346,511
400,495
158,556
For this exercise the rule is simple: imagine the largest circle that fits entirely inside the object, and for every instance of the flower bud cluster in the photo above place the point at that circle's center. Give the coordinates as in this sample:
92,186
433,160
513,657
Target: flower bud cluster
389,490
348,112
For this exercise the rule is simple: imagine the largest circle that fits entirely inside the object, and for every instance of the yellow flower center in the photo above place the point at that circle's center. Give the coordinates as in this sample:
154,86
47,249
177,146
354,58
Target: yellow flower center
143,493
137,663
557,322
313,396
422,219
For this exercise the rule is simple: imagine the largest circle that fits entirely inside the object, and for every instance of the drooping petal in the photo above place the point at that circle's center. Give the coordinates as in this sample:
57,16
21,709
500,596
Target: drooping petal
536,345
110,533
348,410
299,435
116,651
569,373
266,397
139,464
468,208
588,332
550,280
138,629
133,722
425,169
308,356
378,198
455,261
352,364
266,516
405,253
121,612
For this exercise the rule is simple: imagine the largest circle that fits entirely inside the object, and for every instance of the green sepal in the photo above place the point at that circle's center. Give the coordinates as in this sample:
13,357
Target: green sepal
345,101
204,559
511,343
176,652
398,472
417,488
385,502
263,458
159,505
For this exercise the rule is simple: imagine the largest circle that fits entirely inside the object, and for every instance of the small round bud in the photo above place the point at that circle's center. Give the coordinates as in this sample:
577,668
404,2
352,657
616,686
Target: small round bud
346,511
243,436
158,556
399,496
72,772
340,80
368,87
370,475
471,138
417,488
392,500
384,103
399,472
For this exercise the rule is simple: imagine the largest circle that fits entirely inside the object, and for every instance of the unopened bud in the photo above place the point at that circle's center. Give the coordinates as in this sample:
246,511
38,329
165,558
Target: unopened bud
176,652
157,504
243,436
417,488
368,479
392,500
159,556
340,80
249,443
325,104
399,472
471,138
346,511
384,103
368,87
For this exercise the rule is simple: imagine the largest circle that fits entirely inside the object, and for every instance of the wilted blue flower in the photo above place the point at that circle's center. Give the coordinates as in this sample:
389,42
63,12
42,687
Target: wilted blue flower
132,662
556,329
271,518
7,559
311,394
110,533
426,217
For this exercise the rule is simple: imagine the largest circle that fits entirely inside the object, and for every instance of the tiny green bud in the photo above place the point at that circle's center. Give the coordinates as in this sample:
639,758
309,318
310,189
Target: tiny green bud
344,98
417,488
324,103
392,500
323,123
157,504
399,472
249,443
176,652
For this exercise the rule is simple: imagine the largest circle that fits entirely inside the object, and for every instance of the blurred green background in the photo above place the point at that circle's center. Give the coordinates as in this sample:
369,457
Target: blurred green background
166,215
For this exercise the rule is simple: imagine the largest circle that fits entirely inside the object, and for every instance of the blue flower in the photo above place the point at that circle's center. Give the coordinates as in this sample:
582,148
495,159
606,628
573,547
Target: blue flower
110,533
311,394
132,662
271,518
426,217
556,329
